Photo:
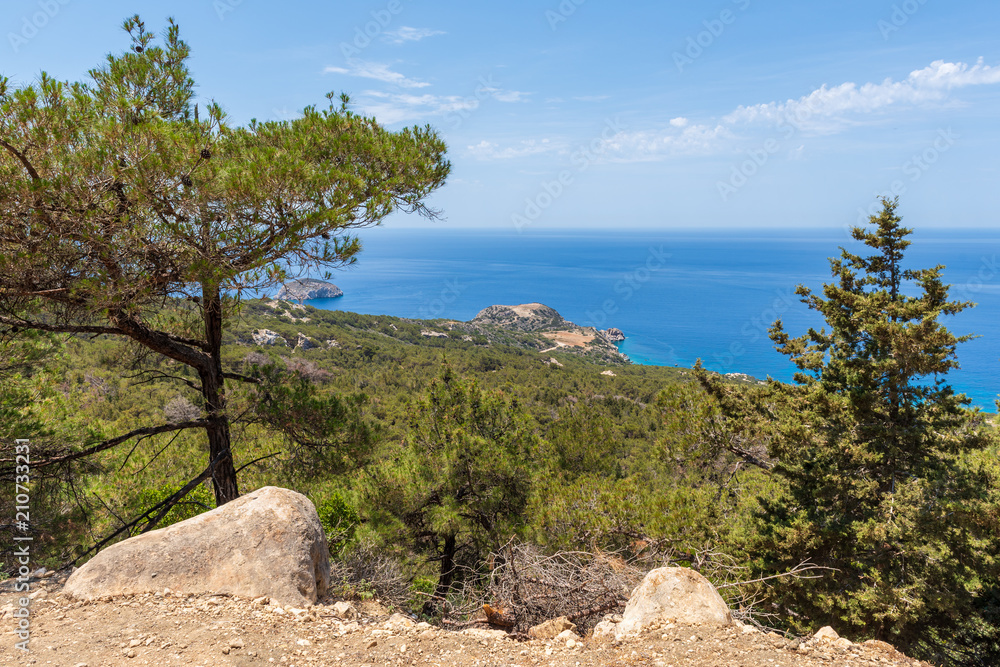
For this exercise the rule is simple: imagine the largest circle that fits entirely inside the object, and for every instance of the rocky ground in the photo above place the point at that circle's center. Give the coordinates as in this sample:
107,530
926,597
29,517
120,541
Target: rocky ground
170,629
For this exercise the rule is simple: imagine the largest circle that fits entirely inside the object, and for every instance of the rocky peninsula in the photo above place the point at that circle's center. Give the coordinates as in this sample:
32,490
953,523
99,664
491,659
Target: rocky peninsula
308,288
554,331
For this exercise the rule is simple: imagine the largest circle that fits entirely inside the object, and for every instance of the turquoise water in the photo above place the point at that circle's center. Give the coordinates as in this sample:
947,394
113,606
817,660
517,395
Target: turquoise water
677,295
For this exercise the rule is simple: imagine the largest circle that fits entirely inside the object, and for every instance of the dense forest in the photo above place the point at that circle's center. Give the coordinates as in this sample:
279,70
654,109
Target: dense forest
431,457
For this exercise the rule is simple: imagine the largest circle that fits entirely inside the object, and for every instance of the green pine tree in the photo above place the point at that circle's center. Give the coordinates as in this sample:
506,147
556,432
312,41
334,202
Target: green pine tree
118,200
458,487
873,446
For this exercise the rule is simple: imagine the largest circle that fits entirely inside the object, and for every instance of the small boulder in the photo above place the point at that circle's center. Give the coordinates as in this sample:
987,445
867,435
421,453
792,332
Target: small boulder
398,622
673,594
551,628
345,611
826,634
267,543
604,631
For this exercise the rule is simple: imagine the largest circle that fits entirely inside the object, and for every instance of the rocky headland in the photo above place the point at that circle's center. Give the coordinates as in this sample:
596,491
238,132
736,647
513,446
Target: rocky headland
308,288
555,333
524,317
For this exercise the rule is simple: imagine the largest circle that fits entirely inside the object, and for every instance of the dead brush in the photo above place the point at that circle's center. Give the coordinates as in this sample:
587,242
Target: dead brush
526,587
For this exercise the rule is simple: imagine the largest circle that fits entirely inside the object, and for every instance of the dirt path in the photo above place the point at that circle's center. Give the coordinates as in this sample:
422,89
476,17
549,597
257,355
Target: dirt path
209,630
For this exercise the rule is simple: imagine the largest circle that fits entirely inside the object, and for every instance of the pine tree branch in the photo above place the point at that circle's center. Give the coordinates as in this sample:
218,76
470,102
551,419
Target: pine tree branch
109,444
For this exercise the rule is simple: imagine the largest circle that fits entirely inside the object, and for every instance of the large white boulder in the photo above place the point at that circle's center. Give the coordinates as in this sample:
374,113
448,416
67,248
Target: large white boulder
672,595
267,543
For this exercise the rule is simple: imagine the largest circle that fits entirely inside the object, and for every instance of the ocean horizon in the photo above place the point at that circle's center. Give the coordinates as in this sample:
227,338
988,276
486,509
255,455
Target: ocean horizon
678,295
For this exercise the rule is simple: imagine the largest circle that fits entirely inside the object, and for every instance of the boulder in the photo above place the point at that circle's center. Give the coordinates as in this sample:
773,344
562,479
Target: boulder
267,543
673,594
551,628
345,610
267,337
604,631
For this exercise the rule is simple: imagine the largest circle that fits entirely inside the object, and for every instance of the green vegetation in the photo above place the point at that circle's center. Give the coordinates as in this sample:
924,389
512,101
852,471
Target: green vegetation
427,456
116,196
885,475
130,230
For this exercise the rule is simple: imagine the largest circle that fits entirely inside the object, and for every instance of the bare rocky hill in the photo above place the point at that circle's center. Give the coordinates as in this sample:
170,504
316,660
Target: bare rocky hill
167,629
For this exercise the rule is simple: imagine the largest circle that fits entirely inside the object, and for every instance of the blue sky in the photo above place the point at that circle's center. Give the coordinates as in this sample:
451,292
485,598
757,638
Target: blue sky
597,114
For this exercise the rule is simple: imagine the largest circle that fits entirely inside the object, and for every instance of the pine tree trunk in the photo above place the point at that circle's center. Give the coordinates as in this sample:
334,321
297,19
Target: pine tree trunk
447,572
213,390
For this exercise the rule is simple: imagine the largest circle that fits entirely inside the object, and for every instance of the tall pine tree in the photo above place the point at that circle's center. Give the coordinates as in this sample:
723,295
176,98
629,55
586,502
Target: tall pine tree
119,202
872,443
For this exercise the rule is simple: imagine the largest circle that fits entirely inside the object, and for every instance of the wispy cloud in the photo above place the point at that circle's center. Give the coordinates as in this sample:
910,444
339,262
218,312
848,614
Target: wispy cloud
487,150
826,110
396,106
650,145
391,108
814,111
508,95
377,71
405,34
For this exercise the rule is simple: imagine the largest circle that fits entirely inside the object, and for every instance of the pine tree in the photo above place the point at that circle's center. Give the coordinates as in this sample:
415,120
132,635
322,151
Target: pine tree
458,488
118,198
872,444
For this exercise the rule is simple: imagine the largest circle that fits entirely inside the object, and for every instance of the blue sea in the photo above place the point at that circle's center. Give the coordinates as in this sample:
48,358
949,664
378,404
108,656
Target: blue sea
678,295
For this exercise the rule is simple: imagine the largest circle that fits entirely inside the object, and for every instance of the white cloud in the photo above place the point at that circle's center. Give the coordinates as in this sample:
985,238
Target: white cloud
509,95
828,108
824,110
407,34
377,71
649,145
487,150
391,108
